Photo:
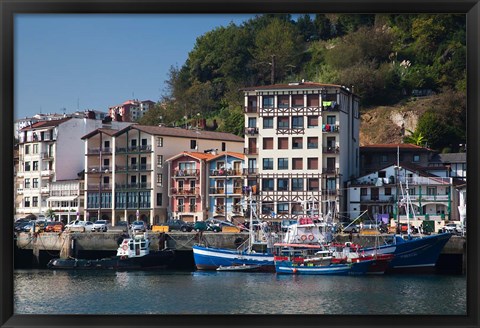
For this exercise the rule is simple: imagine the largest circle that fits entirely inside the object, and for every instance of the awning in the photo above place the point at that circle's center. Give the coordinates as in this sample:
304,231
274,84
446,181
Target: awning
61,198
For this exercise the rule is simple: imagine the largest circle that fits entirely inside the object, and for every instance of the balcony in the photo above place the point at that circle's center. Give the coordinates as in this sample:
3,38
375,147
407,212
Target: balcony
331,150
98,186
250,171
219,209
99,169
45,190
250,151
216,191
329,170
133,167
186,191
46,173
330,106
223,172
186,173
134,149
186,208
334,128
250,109
46,155
96,151
20,191
293,130
138,185
251,131
237,209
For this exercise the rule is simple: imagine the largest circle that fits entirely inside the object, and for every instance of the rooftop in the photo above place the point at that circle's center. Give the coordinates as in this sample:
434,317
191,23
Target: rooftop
45,124
391,147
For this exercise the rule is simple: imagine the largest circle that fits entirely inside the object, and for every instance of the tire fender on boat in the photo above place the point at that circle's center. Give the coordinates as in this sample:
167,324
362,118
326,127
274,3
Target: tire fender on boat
125,247
303,237
311,237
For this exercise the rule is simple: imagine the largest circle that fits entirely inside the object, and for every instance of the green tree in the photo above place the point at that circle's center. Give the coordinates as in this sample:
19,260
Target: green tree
50,214
415,138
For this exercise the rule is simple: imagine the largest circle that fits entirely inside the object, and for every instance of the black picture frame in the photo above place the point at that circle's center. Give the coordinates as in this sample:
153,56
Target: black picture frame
10,7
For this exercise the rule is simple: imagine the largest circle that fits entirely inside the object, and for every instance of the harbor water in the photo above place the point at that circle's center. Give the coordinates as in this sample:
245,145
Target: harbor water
200,292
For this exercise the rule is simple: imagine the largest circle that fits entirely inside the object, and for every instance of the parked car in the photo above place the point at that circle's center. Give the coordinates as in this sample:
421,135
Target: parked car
87,225
176,224
20,226
206,226
122,225
100,225
453,228
54,226
138,226
348,227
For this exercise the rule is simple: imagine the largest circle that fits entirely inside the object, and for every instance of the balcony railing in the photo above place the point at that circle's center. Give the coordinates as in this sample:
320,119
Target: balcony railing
104,150
134,149
46,155
223,172
186,191
138,185
103,186
46,173
99,169
214,190
133,167
329,170
236,208
250,171
251,131
331,128
331,150
250,151
330,105
250,109
186,173
219,209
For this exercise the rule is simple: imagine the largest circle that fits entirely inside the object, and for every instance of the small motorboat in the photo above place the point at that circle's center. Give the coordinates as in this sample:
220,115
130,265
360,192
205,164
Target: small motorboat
244,267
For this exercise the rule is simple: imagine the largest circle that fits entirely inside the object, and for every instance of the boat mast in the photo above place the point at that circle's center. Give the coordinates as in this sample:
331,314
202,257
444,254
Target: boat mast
250,230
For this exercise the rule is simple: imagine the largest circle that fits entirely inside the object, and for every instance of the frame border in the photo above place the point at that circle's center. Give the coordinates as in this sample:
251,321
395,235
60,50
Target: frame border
8,9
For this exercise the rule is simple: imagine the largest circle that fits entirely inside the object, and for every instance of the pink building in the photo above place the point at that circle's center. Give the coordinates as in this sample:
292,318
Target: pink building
130,110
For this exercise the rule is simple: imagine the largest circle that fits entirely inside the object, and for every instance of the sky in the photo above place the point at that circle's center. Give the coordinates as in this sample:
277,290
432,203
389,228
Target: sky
94,61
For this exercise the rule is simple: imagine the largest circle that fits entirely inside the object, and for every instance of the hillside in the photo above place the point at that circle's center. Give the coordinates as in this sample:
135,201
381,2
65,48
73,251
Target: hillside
383,124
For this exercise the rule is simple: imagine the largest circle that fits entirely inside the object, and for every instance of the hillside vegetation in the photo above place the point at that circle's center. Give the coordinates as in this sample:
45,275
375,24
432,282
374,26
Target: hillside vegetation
388,59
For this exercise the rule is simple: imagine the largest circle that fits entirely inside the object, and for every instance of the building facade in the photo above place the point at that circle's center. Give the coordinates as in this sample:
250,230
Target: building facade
126,173
301,145
49,151
130,110
67,199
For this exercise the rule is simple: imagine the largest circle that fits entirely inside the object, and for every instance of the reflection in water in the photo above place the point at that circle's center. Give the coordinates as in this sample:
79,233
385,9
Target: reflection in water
166,292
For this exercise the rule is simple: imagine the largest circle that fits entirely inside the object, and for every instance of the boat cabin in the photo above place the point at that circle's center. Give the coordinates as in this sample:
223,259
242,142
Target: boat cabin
137,246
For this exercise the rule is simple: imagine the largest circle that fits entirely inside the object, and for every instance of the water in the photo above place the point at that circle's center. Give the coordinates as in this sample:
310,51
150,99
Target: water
184,292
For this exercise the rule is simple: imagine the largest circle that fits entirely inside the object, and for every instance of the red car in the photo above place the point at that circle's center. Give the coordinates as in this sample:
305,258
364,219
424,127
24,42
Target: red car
54,226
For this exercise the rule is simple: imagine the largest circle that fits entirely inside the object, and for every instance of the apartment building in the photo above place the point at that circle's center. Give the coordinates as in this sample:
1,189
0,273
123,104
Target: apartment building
126,175
50,151
379,193
301,145
225,187
66,199
130,110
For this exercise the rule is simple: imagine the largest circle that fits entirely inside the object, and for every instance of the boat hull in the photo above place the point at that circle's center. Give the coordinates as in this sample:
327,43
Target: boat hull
360,268
414,255
154,260
210,258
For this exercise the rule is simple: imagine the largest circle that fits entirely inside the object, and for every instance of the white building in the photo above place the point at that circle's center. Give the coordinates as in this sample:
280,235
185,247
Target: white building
126,175
67,199
301,145
50,151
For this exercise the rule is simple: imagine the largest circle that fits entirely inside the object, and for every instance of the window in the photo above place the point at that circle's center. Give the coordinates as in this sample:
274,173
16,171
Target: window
416,158
224,146
35,201
312,142
297,100
312,121
252,122
133,143
106,180
331,184
312,163
313,100
267,101
282,123
35,149
159,142
27,149
106,144
35,165
268,163
267,184
297,184
106,162
267,143
431,191
282,184
297,143
267,208
159,199
363,191
388,191
268,122
297,163
313,184
159,179
35,183
331,119
282,208
27,183
283,101
282,143
382,174
283,163
27,166
297,122
26,201
193,144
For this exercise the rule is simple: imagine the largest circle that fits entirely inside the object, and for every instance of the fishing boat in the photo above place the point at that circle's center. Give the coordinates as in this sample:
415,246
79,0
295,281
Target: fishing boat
133,253
315,260
211,258
348,252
